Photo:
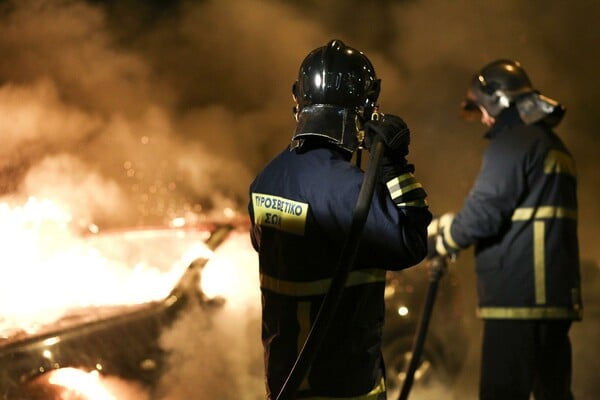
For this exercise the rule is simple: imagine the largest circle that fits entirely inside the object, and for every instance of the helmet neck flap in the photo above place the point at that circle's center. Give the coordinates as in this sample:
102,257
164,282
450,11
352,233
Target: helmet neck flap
536,107
337,125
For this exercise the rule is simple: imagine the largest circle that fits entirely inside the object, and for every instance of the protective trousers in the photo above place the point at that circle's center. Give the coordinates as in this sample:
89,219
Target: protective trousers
520,357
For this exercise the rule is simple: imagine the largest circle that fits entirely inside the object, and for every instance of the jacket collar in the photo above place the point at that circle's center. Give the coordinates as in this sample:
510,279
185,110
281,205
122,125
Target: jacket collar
507,118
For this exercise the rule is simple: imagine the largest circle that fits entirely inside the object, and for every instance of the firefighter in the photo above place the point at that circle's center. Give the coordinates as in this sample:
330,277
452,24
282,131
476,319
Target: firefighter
521,217
301,207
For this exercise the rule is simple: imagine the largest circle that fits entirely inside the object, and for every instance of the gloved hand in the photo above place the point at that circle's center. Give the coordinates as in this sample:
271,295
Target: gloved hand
393,131
432,251
437,242
395,134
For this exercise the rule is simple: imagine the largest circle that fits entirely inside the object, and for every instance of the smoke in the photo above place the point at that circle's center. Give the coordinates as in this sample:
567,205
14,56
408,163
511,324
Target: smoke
215,349
161,123
67,180
180,104
138,112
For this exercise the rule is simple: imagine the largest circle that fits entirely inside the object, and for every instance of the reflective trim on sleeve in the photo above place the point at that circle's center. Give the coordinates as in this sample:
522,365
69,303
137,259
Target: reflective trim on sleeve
530,313
543,212
372,395
414,203
558,162
319,287
402,184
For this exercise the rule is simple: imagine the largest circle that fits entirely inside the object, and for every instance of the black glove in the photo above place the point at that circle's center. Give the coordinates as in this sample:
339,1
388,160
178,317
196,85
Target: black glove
393,131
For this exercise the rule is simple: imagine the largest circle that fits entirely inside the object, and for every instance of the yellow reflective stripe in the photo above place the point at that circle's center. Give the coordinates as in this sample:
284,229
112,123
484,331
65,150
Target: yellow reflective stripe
304,324
402,185
414,203
279,213
399,180
539,262
319,287
403,190
372,395
558,162
539,258
529,313
543,212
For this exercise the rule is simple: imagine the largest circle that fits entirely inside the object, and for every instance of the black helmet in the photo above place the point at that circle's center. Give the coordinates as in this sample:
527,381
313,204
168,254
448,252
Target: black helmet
503,83
498,84
339,75
336,85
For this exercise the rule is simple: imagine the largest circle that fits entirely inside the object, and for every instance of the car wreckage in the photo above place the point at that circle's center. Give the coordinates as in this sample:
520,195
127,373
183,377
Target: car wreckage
89,342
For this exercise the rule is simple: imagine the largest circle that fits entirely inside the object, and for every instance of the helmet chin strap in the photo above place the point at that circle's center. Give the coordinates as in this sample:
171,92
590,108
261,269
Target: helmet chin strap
296,108
360,132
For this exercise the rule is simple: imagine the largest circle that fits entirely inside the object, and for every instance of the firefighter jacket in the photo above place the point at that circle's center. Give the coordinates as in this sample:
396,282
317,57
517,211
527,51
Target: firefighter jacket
301,207
521,215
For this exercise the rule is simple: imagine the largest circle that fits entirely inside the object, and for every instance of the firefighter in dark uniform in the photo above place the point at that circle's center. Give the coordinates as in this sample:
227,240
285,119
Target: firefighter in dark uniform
521,216
301,207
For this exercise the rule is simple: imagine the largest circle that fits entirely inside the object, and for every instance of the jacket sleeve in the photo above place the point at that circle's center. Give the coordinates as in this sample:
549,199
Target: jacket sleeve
488,208
395,232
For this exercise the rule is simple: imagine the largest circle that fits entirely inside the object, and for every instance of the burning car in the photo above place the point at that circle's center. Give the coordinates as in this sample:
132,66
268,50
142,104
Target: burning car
171,312
87,307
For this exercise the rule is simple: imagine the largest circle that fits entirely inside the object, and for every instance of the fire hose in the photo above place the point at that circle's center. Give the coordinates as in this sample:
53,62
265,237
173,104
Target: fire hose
436,268
332,299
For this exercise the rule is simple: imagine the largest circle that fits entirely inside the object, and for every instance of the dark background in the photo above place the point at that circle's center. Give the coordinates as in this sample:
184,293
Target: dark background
134,112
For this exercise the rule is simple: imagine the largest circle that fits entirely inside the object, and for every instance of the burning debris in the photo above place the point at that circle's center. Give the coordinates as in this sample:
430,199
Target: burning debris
53,269
97,304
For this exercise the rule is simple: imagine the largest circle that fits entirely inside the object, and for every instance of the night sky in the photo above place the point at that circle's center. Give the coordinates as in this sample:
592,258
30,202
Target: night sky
133,112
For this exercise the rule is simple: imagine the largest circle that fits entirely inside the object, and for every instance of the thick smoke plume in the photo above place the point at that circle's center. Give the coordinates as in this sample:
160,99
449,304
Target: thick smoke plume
176,105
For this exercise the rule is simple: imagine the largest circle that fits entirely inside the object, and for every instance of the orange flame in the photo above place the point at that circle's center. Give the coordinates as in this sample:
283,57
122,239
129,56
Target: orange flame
86,384
232,272
48,268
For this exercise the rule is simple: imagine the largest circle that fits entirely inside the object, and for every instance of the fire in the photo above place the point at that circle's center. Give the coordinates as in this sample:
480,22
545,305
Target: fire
79,384
56,272
232,272
49,268
85,384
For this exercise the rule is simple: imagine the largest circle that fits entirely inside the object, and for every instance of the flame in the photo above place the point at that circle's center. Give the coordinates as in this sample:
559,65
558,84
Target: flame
86,384
49,268
72,383
232,272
